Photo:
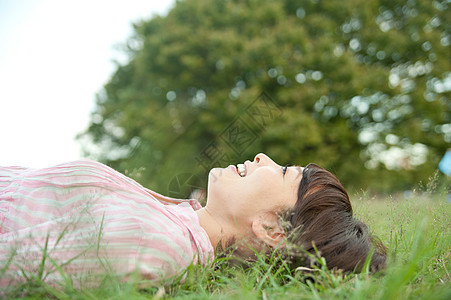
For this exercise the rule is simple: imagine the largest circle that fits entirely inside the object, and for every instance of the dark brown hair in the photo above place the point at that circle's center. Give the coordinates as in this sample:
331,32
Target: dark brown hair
322,218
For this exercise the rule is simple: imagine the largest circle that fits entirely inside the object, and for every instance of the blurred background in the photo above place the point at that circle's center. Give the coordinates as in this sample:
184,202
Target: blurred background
55,56
361,88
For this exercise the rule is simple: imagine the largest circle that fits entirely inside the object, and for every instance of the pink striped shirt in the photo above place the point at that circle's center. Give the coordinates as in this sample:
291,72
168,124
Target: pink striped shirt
91,220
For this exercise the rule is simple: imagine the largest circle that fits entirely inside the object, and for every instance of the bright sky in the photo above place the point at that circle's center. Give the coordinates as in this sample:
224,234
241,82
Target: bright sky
54,57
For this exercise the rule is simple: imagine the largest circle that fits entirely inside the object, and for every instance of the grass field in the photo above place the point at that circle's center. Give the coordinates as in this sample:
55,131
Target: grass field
415,230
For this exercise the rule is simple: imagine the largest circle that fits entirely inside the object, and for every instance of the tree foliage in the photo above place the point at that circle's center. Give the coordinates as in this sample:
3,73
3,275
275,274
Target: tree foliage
359,87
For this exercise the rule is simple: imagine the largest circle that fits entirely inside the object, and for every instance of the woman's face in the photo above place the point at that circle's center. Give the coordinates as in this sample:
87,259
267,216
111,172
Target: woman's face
266,187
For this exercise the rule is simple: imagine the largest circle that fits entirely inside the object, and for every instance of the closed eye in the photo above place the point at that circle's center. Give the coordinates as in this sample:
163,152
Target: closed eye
284,169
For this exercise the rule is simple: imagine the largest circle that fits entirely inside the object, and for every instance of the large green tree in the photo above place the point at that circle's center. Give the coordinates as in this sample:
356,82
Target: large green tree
360,87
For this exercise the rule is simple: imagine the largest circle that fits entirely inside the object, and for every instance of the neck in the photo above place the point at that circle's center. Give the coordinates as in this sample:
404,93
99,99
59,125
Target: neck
211,225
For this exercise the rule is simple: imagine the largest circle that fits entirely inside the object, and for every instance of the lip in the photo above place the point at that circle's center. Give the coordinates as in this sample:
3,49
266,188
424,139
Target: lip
246,164
234,168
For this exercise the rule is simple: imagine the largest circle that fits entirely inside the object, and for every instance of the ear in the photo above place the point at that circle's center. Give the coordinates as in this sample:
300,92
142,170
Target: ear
267,228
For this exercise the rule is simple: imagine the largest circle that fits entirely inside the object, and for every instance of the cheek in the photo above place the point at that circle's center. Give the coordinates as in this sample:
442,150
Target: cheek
271,192
259,195
266,185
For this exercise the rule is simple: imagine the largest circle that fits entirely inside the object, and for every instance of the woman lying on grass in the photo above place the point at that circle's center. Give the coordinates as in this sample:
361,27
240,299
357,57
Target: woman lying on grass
78,220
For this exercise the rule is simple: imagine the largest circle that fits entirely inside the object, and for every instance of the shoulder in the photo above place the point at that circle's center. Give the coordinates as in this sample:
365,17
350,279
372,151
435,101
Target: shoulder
82,162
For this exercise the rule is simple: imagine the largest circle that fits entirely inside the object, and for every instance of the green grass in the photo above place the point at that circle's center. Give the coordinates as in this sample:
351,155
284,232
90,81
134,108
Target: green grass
416,231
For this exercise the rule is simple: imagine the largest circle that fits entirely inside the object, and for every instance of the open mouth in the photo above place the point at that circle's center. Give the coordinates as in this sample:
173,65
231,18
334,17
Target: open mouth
241,168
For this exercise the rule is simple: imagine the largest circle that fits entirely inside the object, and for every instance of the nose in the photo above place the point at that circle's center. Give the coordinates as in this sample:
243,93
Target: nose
263,160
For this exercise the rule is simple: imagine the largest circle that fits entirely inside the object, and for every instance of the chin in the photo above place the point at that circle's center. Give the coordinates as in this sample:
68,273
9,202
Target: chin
214,175
212,184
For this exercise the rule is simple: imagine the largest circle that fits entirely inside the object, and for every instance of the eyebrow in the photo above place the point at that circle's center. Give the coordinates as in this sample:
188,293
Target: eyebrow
299,169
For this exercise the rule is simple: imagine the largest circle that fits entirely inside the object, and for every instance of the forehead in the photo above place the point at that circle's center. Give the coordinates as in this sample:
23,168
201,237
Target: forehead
292,180
294,173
